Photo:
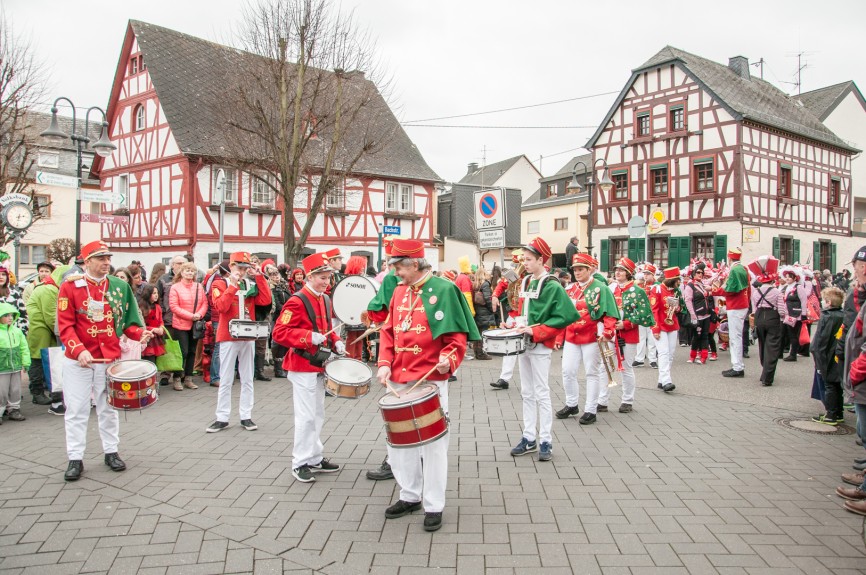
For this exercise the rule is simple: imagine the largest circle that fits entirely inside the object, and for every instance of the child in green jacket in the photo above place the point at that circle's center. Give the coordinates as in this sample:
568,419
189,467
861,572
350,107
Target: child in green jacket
14,359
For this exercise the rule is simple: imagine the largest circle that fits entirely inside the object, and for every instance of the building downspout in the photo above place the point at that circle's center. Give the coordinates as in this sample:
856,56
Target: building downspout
191,217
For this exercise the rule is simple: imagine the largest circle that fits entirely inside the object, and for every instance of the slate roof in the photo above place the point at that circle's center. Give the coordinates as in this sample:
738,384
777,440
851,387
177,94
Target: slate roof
565,170
489,173
750,99
192,76
823,101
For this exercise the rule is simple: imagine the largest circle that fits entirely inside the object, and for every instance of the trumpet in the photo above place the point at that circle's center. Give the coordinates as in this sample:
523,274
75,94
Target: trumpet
672,303
608,358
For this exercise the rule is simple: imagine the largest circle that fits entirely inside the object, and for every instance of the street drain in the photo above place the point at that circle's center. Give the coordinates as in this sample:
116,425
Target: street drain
809,426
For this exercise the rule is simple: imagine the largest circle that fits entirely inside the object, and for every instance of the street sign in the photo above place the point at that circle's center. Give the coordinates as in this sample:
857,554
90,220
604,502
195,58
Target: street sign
489,209
50,179
636,227
391,230
101,197
14,198
751,235
656,221
491,239
104,219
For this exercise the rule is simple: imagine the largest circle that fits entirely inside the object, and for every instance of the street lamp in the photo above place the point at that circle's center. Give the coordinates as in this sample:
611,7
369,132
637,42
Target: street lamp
605,184
102,147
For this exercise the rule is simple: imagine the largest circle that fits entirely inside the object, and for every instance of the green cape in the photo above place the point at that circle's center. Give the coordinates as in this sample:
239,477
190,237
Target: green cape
448,302
600,300
123,305
636,307
553,307
382,298
738,279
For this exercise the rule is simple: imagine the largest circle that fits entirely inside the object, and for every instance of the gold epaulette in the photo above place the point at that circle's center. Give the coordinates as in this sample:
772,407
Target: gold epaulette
75,277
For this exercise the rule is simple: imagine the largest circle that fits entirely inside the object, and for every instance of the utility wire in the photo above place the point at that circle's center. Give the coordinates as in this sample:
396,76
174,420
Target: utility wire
512,109
501,127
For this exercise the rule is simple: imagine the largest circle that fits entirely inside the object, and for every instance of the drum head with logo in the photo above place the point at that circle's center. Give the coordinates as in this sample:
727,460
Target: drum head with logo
348,371
351,296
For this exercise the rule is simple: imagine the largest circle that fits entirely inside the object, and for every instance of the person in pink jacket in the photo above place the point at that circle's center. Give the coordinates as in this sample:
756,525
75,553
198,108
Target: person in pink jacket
188,305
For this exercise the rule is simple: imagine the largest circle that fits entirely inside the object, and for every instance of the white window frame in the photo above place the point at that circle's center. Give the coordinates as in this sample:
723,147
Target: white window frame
407,198
140,119
336,197
392,194
122,184
261,194
533,227
231,185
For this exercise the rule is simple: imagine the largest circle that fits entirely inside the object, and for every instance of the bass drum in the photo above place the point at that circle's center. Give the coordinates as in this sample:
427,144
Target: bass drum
351,296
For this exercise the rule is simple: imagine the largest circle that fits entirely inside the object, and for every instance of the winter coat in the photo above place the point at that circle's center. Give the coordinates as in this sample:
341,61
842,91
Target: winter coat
181,300
163,287
15,300
42,316
14,353
484,316
280,294
855,360
823,346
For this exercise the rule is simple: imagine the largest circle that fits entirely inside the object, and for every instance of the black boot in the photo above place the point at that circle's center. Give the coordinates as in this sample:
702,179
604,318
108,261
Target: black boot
259,374
278,367
74,471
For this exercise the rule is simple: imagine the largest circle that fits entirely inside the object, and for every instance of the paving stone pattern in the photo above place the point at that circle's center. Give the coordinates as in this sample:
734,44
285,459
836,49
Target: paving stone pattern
684,484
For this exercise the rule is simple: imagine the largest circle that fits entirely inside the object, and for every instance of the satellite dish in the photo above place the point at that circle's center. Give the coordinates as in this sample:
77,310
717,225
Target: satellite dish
220,185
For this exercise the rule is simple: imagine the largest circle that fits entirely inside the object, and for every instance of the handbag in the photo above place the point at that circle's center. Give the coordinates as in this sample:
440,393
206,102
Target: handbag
804,335
52,368
198,327
172,359
478,298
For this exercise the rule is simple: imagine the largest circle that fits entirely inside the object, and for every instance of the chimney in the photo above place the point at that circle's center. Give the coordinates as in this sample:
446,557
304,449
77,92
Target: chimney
473,167
740,66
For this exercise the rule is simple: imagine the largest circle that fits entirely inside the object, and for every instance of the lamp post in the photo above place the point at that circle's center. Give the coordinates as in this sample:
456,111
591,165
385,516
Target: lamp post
103,147
605,185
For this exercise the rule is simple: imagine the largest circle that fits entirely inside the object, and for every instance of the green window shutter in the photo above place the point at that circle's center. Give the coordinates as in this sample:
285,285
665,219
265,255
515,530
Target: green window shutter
604,264
796,251
673,246
632,248
720,248
685,251
679,251
641,250
816,255
832,258
776,247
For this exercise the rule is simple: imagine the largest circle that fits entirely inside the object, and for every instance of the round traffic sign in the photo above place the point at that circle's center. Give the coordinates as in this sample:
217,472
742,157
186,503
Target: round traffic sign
488,205
637,227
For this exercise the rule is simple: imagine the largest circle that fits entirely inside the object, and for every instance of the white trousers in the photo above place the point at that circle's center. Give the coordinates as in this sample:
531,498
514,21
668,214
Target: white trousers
573,356
646,346
308,396
78,385
508,363
422,472
628,381
736,318
535,390
667,345
244,352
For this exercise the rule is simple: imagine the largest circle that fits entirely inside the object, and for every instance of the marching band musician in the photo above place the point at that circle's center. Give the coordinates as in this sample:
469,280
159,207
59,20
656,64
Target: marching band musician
646,347
544,311
664,300
736,294
93,310
248,281
635,312
596,305
302,327
509,291
428,326
355,266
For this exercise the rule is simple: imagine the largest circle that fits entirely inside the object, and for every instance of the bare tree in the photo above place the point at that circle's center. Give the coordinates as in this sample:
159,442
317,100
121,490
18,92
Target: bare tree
304,110
21,85
60,250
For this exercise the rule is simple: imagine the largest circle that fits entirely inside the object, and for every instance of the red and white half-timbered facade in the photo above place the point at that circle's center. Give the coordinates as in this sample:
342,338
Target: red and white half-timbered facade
727,159
167,178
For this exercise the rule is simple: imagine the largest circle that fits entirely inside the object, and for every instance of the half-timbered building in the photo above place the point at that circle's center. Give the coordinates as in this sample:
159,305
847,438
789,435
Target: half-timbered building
728,159
170,147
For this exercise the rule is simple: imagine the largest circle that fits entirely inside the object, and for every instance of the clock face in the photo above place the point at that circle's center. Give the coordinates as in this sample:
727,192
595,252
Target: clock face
18,216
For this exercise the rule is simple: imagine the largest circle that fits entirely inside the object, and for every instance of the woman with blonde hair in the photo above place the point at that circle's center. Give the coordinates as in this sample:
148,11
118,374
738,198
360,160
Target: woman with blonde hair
482,296
188,305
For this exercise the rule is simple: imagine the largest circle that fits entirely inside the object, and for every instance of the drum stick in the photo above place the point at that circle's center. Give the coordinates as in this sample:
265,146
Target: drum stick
391,389
514,329
370,331
428,374
102,360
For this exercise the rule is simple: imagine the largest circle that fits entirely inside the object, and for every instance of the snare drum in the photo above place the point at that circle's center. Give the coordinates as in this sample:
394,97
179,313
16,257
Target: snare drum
414,418
131,384
503,342
351,296
248,329
348,378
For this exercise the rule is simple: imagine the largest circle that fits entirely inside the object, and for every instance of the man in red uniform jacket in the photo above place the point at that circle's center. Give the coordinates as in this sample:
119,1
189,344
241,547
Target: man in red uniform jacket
301,327
245,281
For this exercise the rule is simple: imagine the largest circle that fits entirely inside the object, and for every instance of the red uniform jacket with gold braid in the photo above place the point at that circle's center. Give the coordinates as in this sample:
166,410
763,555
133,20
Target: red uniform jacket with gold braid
501,288
79,332
225,300
411,354
630,332
294,330
661,309
585,329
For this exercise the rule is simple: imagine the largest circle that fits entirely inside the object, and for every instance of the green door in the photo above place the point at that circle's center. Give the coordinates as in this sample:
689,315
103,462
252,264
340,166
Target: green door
720,249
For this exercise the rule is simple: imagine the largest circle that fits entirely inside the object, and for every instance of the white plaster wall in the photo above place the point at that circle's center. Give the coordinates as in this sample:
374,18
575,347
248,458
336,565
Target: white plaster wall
522,176
848,121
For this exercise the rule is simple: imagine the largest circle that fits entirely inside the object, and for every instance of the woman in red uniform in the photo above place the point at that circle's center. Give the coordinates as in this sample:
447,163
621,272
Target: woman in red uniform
665,301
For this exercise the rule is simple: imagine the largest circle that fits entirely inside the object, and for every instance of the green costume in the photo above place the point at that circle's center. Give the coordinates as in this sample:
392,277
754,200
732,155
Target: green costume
123,305
14,354
600,301
636,307
444,303
383,297
552,307
738,279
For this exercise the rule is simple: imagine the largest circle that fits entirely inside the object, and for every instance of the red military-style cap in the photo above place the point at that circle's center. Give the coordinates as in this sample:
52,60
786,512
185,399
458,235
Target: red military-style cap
735,254
649,268
334,253
316,263
240,259
540,248
584,260
95,248
672,273
449,275
626,264
387,242
406,249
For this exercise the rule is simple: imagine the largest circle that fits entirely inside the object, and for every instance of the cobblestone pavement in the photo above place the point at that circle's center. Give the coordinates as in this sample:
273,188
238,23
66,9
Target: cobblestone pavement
700,481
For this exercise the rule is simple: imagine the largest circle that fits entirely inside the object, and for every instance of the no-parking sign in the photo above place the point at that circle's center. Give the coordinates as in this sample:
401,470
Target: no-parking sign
490,209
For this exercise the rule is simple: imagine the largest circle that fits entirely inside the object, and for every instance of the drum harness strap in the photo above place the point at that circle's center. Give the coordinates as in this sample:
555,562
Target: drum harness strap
308,305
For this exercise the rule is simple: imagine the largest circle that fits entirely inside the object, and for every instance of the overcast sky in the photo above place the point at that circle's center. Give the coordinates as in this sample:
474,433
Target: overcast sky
450,57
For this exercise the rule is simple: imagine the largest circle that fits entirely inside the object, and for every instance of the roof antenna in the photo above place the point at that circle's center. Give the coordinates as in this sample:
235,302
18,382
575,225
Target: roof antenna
760,63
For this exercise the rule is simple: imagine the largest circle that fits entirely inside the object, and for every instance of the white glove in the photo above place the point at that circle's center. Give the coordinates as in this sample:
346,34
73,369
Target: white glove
340,347
318,338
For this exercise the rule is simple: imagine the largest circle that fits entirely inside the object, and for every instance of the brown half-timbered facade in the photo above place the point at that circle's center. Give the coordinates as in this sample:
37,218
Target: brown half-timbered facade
727,159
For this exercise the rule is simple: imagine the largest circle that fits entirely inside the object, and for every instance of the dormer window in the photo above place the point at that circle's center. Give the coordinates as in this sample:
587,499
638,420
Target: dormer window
139,117
133,66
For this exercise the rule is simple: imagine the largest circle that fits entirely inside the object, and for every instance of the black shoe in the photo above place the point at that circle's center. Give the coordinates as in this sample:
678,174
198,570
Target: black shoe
114,462
637,364
249,425
324,466
625,408
654,365
15,415
216,426
279,373
382,473
41,399
746,354
163,382
262,377
587,419
500,384
59,410
601,409
790,358
74,471
452,378
567,412
401,508
767,383
733,373
668,387
432,521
